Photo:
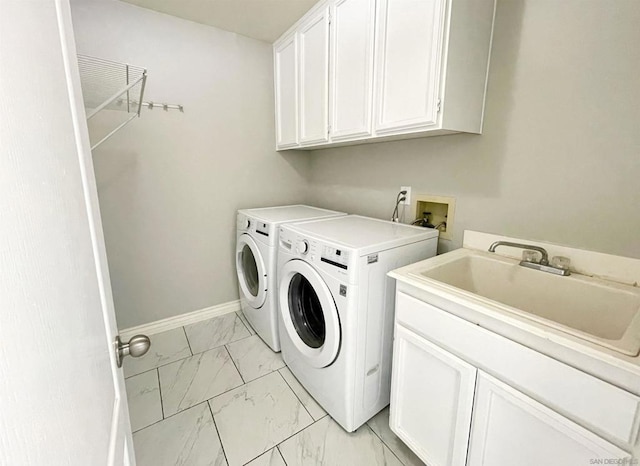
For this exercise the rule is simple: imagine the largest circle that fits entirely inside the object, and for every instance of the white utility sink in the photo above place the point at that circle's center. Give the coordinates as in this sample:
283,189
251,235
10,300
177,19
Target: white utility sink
599,311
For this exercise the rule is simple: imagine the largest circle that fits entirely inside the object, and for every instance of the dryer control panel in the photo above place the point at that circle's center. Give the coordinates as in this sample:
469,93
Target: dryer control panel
259,230
262,228
243,222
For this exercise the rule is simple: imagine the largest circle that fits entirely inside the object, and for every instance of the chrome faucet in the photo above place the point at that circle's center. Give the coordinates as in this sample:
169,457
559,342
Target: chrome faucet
542,265
545,256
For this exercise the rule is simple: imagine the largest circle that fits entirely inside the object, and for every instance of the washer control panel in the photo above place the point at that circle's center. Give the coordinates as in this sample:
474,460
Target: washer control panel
336,257
302,247
330,258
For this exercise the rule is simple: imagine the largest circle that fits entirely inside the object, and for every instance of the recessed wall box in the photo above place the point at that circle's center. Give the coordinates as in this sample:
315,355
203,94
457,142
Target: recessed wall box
442,212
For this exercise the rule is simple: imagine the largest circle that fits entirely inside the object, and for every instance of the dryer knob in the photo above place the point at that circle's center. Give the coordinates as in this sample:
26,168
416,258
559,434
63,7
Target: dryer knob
302,247
247,224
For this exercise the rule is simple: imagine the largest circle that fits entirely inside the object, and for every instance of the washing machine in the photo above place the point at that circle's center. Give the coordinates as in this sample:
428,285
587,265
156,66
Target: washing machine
256,262
336,306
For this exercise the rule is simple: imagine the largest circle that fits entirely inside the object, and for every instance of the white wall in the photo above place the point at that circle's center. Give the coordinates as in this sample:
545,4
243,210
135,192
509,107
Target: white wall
170,183
559,159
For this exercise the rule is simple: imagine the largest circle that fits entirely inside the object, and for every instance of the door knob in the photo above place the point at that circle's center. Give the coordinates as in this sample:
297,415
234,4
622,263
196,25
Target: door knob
137,346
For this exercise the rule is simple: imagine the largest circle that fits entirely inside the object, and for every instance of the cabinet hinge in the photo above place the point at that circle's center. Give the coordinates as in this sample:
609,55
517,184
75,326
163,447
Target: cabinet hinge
329,18
439,106
328,130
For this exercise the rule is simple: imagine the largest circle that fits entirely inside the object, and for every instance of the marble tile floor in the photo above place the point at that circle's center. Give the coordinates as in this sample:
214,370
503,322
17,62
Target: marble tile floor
212,393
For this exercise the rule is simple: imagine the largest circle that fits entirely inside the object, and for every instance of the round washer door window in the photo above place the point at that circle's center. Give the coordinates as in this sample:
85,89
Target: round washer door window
305,311
251,271
309,313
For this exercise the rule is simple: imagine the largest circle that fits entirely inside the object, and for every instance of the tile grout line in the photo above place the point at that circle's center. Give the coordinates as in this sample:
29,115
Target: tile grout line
277,447
169,417
294,393
294,434
384,443
236,340
215,426
148,370
160,391
234,388
289,437
234,365
161,365
284,440
184,330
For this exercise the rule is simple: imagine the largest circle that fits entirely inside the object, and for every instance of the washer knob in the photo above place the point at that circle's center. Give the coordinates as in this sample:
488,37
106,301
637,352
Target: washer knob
247,224
302,247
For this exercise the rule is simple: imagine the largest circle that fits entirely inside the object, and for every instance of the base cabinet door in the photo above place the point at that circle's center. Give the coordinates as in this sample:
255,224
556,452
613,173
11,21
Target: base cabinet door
431,399
510,428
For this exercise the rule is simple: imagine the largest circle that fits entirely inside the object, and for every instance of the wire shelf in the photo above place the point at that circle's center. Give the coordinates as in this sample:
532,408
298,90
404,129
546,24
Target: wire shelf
112,86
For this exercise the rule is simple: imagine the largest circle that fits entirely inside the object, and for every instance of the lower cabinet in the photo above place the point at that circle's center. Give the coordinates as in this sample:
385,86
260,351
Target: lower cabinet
510,428
451,413
431,399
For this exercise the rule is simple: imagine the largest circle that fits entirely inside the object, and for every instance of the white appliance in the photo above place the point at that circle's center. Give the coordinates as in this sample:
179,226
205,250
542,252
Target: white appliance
337,308
256,251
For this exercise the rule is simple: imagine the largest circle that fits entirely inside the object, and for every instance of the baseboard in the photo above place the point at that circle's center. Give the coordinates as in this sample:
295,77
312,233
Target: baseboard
180,320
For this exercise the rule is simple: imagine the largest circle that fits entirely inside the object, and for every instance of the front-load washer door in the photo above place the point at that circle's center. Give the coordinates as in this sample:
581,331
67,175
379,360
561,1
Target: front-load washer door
252,274
309,313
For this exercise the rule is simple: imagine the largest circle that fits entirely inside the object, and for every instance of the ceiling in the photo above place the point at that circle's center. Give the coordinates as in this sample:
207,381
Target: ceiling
261,19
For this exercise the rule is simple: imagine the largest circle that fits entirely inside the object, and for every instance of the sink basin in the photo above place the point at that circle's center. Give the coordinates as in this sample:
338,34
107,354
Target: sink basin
602,312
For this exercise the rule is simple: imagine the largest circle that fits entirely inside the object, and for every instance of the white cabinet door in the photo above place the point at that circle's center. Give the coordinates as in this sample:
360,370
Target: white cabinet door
286,89
431,399
313,40
409,49
511,428
352,27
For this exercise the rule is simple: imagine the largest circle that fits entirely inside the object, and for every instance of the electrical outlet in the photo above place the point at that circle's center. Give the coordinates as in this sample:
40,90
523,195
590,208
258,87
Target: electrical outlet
407,201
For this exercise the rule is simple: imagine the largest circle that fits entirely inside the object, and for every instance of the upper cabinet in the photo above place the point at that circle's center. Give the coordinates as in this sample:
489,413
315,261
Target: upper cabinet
368,70
408,55
286,91
313,75
351,101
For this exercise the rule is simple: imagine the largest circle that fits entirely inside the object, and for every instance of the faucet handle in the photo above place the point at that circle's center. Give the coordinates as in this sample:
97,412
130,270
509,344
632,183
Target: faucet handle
530,256
561,262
